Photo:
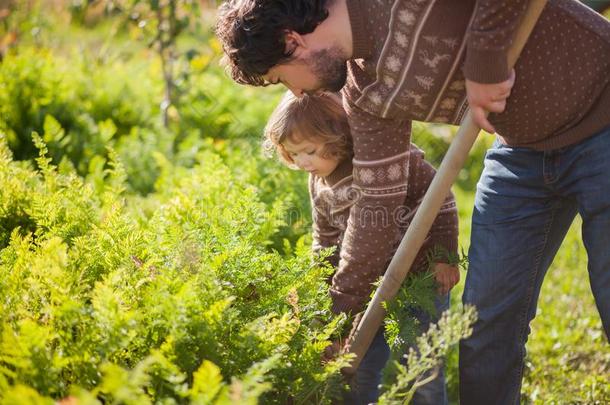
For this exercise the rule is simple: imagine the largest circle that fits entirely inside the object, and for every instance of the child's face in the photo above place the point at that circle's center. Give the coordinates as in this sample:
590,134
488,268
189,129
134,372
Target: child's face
307,155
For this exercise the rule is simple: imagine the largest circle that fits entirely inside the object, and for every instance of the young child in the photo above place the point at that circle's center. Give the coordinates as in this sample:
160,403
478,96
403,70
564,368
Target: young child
312,134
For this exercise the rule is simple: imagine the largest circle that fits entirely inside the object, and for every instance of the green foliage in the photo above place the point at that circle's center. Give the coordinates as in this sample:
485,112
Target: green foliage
91,105
20,18
218,108
432,347
401,328
161,20
80,111
417,293
98,305
275,184
82,107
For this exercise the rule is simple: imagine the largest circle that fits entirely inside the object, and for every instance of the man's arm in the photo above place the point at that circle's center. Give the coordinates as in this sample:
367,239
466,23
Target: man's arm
488,79
381,161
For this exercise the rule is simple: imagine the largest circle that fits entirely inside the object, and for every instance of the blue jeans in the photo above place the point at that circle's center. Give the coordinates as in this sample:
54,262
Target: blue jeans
526,200
365,389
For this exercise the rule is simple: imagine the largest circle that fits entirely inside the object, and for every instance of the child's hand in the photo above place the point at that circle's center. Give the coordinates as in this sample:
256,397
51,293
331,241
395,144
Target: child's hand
446,276
333,350
339,346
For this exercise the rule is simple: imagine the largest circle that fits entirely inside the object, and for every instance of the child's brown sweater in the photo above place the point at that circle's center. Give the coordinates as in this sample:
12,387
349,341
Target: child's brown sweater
411,58
332,198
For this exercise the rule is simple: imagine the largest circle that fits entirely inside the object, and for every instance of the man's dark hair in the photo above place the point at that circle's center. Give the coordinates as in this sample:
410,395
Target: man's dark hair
252,33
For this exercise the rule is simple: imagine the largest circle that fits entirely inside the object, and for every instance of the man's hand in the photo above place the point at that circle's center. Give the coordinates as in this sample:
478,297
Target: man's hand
484,98
446,276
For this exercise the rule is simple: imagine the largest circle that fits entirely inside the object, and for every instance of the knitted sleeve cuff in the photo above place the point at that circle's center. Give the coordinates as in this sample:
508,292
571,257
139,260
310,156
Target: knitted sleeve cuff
486,66
343,302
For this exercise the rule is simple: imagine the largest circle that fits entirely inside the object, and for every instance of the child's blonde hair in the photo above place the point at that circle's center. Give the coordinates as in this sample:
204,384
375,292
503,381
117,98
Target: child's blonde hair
319,118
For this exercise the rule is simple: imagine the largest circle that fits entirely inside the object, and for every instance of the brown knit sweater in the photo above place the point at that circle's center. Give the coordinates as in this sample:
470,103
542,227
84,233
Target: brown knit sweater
410,58
410,62
332,199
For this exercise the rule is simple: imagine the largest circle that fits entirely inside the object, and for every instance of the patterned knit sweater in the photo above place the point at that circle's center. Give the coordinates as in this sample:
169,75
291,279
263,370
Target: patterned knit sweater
332,199
410,61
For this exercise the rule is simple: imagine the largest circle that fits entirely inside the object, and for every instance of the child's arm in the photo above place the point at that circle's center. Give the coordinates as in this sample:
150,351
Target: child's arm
324,235
323,240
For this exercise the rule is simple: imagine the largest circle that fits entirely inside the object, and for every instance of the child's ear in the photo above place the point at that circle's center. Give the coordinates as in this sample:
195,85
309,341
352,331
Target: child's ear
295,44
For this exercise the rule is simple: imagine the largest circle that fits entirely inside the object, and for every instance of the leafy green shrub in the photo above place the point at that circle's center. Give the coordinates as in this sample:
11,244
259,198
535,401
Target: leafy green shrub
36,83
433,347
219,108
274,182
99,304
80,110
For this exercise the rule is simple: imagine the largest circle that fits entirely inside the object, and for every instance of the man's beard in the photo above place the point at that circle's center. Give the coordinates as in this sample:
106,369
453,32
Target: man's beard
330,67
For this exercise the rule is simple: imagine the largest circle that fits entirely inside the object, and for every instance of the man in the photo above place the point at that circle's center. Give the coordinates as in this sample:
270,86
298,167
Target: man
427,60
